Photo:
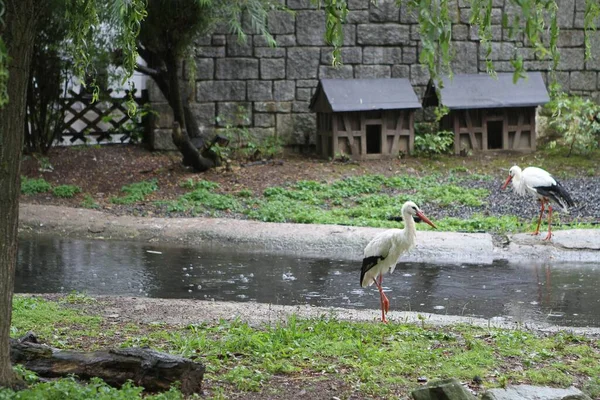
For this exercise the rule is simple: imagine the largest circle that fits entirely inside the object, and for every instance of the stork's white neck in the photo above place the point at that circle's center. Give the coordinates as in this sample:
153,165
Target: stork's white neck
410,229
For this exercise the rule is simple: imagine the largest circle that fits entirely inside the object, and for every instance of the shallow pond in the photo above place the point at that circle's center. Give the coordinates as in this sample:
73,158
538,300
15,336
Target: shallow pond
557,293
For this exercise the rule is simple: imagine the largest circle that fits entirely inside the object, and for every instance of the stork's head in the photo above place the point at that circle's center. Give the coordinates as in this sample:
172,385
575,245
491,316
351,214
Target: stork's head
410,210
512,172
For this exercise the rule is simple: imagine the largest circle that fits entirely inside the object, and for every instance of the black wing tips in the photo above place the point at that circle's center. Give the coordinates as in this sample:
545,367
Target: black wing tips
368,263
558,194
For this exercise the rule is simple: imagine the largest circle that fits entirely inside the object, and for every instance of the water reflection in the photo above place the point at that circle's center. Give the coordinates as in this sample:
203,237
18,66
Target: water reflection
562,294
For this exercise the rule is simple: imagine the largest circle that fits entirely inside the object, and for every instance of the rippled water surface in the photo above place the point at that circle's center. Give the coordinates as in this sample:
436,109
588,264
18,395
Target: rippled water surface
563,294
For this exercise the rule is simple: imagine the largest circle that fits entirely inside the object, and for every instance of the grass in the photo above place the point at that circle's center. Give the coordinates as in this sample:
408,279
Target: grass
136,192
31,186
374,359
66,191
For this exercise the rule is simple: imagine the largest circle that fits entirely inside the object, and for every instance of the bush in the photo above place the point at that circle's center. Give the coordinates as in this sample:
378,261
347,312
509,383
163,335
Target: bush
576,121
430,144
66,191
33,186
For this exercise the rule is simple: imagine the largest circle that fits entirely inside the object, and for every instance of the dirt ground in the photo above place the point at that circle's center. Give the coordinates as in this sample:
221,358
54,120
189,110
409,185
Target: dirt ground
102,171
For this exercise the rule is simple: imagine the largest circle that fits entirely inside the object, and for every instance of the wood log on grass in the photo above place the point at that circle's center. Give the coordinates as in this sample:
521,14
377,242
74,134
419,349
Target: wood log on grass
153,370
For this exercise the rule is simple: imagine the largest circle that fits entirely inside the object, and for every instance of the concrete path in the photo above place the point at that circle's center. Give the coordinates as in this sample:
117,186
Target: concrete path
332,241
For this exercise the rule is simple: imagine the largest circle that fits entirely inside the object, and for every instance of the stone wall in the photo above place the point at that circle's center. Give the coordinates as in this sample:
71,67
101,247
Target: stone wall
275,84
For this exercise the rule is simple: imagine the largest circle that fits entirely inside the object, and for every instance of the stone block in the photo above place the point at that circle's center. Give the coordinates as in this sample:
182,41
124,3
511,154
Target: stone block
161,140
285,40
447,389
303,63
307,83
460,32
372,71
205,68
303,94
594,61
296,129
382,55
164,116
500,51
400,71
566,15
310,28
218,40
419,75
496,16
537,65
234,113
220,91
407,16
466,58
341,72
357,17
284,90
204,40
273,106
261,133
154,93
571,59
300,4
281,22
260,90
579,22
204,113
349,31
384,11
272,68
570,38
358,4
584,80
210,51
237,68
530,392
350,55
383,34
409,55
264,120
300,106
269,52
238,48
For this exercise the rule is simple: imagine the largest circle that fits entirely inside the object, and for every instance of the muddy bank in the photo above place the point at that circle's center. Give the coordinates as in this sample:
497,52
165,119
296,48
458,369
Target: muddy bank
332,241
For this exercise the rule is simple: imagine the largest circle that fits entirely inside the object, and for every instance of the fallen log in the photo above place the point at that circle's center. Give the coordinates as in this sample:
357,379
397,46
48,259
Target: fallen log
153,370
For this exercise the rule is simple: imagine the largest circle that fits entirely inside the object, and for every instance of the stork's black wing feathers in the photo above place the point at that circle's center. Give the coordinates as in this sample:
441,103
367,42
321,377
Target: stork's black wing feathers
557,193
368,263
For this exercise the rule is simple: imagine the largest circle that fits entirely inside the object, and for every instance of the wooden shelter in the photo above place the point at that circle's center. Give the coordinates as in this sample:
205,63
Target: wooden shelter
364,118
488,113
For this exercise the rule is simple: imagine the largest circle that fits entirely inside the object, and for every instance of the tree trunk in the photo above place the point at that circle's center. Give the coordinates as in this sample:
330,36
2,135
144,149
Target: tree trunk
18,33
153,370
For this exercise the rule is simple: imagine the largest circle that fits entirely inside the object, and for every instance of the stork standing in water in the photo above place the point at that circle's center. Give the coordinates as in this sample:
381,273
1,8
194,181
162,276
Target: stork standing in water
540,184
382,253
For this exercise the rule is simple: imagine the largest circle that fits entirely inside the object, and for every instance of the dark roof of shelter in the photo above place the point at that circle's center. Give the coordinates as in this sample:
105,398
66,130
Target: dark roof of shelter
365,94
485,91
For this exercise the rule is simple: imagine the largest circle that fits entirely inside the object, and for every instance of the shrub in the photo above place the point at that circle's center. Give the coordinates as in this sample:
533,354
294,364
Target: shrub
577,121
136,192
33,186
66,191
430,144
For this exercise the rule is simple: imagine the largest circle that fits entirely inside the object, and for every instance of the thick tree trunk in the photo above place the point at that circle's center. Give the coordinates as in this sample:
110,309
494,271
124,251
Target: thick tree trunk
153,370
19,34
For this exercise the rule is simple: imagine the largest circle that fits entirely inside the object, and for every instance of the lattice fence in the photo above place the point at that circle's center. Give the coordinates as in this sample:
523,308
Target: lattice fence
103,121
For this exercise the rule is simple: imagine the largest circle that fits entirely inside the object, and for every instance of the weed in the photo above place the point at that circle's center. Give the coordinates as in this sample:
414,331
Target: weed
66,191
136,192
31,186
89,202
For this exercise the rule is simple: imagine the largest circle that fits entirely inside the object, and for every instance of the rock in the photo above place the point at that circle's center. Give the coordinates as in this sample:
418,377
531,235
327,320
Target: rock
446,389
529,392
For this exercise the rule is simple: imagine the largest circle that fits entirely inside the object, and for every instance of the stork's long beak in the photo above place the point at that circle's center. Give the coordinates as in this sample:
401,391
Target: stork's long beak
507,182
425,219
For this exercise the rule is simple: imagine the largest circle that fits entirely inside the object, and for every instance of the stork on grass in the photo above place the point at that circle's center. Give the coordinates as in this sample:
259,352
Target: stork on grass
540,184
382,253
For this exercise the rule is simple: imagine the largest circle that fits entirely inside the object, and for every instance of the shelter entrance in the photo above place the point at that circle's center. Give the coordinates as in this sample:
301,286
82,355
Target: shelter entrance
374,139
494,135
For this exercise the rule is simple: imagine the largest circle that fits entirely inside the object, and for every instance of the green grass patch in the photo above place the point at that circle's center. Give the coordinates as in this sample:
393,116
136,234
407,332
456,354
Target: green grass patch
136,192
31,186
66,191
89,202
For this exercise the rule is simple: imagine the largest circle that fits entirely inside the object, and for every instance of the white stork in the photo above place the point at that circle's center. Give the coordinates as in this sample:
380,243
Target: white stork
540,184
382,253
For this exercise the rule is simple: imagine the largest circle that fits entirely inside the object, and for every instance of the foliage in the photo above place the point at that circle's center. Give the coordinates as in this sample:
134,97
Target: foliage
244,143
136,192
577,120
31,186
66,191
89,202
431,144
48,78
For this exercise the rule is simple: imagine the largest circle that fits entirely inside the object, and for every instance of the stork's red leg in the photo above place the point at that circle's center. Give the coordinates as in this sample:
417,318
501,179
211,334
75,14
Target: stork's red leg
384,300
549,235
537,230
